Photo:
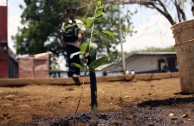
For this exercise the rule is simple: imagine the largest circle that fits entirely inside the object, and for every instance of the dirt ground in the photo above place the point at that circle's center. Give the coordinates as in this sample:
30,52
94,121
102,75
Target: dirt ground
130,103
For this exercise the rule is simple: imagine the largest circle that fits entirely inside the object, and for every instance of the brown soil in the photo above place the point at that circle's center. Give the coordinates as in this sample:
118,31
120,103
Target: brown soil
136,103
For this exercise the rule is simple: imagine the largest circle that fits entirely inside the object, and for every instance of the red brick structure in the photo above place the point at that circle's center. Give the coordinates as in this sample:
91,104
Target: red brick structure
3,42
30,67
8,62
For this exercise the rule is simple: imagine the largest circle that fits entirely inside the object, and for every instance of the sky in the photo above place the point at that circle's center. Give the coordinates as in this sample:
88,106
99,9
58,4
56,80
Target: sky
153,29
14,13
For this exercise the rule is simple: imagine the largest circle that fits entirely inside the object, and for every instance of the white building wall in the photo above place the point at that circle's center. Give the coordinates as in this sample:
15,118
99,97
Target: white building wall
139,64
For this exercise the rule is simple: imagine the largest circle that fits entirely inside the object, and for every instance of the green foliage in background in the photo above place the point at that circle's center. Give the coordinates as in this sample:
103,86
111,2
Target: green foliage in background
42,19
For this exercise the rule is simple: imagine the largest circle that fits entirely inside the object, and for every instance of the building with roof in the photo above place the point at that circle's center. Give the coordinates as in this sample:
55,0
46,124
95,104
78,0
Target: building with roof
147,62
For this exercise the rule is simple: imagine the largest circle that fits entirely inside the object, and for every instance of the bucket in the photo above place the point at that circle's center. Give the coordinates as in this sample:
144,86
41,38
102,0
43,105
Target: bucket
184,43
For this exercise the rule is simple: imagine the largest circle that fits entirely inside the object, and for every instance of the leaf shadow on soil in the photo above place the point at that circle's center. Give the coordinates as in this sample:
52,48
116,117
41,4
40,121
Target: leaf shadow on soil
166,102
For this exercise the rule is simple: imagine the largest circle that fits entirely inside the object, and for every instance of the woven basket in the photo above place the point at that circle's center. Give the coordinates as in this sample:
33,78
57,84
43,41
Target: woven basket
184,43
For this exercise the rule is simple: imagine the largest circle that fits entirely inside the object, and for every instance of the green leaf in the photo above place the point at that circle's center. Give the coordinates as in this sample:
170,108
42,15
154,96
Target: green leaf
93,45
84,47
99,14
99,3
100,6
89,21
72,55
109,33
69,25
98,62
92,51
77,65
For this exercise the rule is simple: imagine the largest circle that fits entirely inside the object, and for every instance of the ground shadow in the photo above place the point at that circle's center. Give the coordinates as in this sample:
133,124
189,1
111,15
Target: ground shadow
166,102
183,93
76,80
151,78
14,86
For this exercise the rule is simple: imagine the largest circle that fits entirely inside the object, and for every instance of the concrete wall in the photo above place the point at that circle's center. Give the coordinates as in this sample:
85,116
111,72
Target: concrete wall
139,64
35,66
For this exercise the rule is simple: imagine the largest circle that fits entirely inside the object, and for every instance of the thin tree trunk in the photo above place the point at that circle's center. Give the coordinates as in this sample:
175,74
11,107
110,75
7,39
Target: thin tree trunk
93,88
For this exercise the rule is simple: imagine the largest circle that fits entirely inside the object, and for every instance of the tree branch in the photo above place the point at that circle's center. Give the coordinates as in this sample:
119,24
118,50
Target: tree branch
159,5
163,11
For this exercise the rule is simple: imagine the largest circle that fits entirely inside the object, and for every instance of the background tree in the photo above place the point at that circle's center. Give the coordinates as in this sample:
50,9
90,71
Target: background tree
42,20
164,7
39,19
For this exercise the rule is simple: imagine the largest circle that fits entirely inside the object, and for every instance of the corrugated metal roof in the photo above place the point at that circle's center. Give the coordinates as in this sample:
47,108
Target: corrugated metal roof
151,54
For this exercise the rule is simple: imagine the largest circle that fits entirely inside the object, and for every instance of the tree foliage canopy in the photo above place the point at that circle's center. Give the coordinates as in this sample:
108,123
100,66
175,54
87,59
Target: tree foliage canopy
42,20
